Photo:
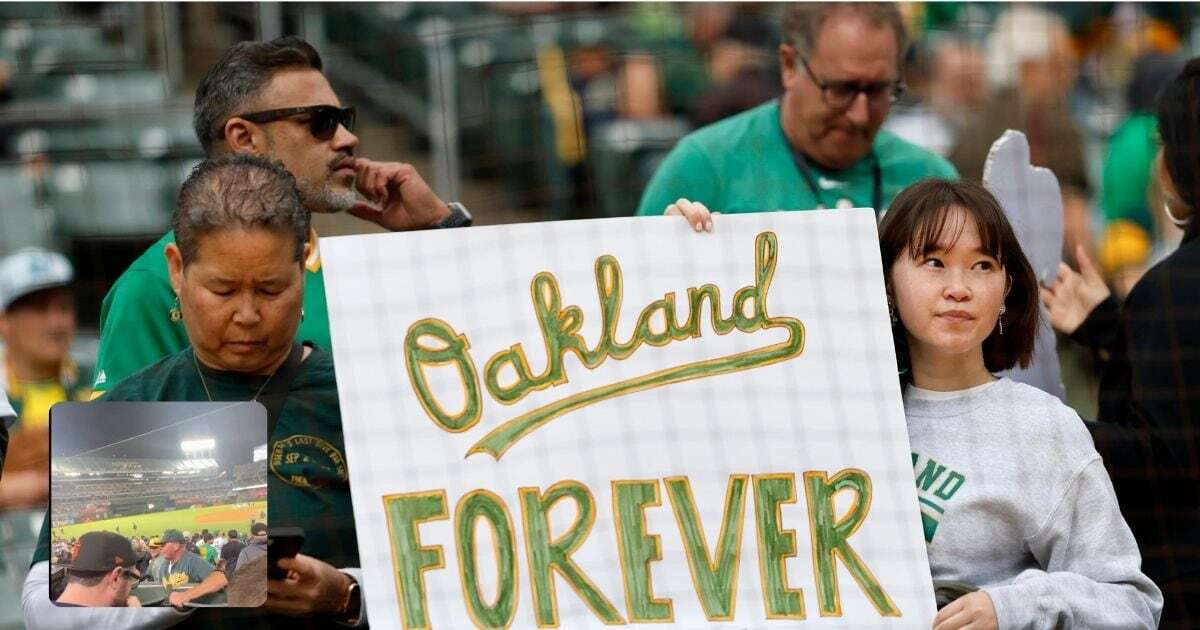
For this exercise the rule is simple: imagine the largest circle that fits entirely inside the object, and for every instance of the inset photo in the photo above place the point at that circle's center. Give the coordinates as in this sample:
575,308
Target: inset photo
158,504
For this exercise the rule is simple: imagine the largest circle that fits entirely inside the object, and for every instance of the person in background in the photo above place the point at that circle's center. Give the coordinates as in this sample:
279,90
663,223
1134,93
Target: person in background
256,545
103,573
820,144
1128,239
952,89
268,99
1032,67
206,549
230,552
37,326
1148,425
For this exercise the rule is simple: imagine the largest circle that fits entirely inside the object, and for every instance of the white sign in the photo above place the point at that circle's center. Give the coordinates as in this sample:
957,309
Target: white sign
620,421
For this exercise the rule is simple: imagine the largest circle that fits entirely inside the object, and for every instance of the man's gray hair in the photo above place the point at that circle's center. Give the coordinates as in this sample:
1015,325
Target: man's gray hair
237,79
238,191
802,23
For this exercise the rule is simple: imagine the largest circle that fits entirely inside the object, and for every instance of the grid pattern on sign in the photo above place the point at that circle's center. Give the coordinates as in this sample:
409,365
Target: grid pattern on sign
835,406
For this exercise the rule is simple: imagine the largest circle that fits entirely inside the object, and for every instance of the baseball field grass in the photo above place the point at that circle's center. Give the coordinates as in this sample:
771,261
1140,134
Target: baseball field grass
213,518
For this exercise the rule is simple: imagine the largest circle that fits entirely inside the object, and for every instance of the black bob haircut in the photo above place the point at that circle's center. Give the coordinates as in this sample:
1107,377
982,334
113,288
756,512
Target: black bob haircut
920,220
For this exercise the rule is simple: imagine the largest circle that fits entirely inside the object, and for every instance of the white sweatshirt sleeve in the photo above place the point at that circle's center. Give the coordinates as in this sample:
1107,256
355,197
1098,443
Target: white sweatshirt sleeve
42,614
1092,577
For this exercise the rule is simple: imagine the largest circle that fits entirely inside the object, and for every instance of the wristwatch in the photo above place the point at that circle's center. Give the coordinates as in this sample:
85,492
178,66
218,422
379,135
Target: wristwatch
459,216
352,612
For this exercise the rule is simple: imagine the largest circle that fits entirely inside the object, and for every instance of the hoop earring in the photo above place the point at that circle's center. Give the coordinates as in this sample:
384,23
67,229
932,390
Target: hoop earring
175,313
1000,320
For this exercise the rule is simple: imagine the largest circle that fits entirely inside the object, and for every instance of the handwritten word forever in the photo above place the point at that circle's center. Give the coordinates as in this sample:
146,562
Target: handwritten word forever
560,334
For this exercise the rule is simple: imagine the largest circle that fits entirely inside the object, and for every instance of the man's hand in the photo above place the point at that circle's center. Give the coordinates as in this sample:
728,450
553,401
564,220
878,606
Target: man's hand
133,602
178,599
973,611
399,199
1073,296
311,587
695,212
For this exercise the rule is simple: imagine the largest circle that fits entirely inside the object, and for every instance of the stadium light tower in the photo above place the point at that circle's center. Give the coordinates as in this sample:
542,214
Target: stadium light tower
198,454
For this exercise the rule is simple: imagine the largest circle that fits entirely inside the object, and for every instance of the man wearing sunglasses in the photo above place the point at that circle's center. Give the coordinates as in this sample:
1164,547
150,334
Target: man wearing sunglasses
103,574
820,144
269,99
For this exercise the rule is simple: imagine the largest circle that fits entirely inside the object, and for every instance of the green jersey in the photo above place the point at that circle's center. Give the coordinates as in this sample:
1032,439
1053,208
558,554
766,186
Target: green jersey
136,327
745,164
192,567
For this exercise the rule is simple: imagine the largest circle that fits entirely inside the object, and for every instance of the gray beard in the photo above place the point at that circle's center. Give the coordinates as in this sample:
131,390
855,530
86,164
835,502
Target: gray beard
326,200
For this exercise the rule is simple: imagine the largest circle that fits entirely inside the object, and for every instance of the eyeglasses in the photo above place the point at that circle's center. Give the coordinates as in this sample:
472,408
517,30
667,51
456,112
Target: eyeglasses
841,94
323,120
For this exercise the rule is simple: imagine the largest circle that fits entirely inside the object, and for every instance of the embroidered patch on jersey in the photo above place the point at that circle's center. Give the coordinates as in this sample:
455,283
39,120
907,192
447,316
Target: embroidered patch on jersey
936,485
306,461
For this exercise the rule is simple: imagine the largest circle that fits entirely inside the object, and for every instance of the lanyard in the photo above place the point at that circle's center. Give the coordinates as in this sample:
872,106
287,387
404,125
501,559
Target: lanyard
807,175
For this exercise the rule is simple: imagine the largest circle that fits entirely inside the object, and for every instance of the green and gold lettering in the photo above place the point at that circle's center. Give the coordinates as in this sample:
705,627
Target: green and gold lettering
714,577
830,538
638,549
560,332
547,555
455,351
476,505
411,560
776,545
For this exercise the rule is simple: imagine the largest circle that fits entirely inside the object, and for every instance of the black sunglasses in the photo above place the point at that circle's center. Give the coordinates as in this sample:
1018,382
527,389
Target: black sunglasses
323,119
841,94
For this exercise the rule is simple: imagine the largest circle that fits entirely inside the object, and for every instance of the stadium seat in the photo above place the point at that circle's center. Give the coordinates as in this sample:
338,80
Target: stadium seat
24,221
125,198
91,89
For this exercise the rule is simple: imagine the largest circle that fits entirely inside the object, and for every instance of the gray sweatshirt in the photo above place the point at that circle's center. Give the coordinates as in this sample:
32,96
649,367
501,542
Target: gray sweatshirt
1015,499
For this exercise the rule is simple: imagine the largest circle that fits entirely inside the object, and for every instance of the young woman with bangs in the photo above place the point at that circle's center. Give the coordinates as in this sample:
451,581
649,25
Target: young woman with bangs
1032,534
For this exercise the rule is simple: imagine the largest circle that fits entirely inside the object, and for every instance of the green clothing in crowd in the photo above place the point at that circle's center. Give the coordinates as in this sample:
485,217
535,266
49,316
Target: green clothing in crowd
189,564
208,552
1127,167
309,483
135,318
745,164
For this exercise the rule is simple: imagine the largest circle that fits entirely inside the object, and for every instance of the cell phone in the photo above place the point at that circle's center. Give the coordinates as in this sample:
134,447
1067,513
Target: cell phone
282,542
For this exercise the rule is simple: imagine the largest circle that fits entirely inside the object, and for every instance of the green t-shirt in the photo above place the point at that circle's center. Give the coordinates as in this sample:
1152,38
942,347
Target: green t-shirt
189,564
309,485
1127,169
135,317
744,164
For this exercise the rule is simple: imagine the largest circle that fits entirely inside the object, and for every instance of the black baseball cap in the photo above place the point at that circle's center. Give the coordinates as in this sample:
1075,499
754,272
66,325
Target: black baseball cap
101,552
258,529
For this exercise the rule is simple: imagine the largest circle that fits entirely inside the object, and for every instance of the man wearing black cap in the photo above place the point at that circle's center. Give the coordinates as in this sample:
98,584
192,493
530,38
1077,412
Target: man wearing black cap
181,566
103,574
